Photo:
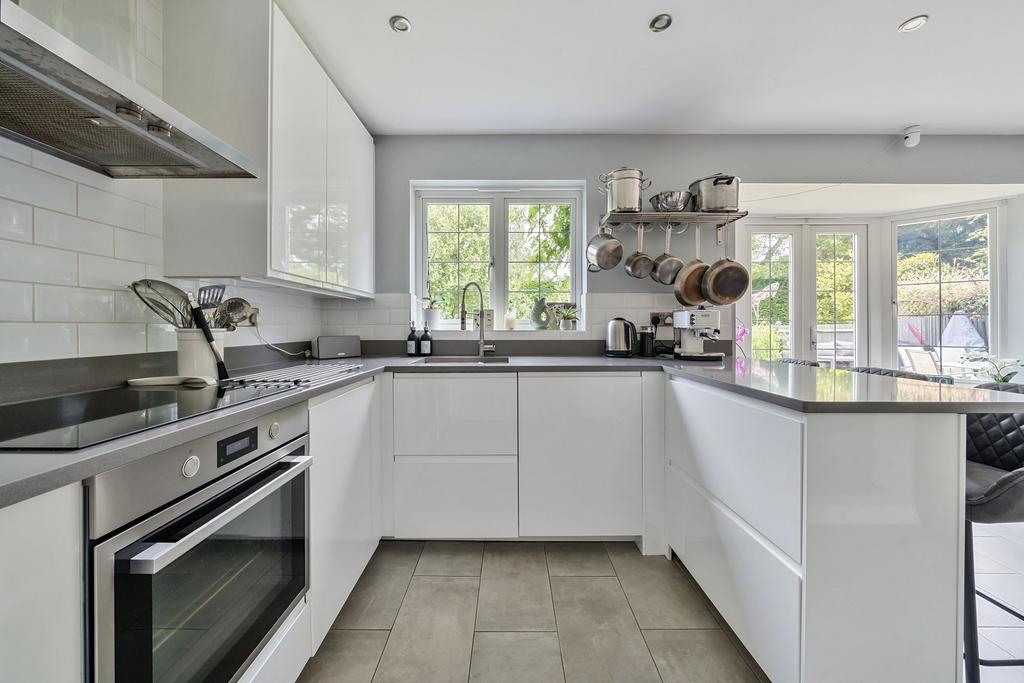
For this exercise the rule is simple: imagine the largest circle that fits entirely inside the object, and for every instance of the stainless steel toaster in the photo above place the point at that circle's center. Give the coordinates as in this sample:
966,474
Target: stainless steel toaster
337,346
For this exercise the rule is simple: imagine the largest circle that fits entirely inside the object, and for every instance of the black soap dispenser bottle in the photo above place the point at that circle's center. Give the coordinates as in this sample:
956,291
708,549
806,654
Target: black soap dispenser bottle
426,342
412,342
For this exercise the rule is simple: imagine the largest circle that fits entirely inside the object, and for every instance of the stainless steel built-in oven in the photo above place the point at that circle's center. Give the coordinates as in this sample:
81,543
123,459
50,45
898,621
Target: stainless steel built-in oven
193,586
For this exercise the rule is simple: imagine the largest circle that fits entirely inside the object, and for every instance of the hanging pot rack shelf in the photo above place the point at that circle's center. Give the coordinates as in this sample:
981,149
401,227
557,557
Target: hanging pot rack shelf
617,219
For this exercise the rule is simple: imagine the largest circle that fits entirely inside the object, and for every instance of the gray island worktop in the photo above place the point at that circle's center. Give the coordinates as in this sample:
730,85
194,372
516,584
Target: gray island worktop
804,389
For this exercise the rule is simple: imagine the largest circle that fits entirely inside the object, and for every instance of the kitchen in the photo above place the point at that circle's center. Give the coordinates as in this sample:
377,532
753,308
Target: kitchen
546,493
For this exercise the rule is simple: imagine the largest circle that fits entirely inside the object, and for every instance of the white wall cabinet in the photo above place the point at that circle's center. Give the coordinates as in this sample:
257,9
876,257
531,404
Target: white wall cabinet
343,498
580,454
455,413
307,221
42,603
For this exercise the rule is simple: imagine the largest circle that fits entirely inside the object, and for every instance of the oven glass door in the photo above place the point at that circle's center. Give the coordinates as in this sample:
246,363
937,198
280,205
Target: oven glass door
196,599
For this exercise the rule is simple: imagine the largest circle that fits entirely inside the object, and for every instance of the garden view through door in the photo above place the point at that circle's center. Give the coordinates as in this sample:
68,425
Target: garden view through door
804,299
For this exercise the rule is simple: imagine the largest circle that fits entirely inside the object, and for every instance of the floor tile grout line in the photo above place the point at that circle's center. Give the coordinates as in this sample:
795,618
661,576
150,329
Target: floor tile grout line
635,620
554,611
476,610
400,605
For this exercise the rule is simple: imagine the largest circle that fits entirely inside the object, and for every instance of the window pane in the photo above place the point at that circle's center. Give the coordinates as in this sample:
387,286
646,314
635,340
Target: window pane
474,218
442,246
770,293
939,320
475,246
539,252
474,272
835,331
442,277
844,247
442,217
825,248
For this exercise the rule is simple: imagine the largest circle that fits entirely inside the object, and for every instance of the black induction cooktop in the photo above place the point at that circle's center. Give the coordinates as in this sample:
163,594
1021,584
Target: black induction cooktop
74,421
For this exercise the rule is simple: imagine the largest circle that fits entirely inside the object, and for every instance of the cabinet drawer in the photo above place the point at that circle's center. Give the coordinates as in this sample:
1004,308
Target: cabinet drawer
748,457
456,497
753,588
455,414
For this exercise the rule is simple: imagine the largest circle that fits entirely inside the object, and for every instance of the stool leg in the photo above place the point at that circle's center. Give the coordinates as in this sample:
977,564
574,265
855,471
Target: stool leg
972,667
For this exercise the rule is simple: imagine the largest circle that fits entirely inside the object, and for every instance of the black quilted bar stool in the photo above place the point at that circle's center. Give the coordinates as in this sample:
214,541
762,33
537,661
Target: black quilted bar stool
800,361
888,372
995,495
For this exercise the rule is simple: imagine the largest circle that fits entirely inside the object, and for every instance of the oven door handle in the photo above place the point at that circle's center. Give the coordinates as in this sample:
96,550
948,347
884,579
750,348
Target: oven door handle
160,555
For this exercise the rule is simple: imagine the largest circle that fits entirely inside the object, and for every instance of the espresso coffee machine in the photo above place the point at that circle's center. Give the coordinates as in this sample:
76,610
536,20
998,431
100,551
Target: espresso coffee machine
691,329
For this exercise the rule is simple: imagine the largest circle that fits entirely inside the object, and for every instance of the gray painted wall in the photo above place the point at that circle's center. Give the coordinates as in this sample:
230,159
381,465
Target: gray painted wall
672,161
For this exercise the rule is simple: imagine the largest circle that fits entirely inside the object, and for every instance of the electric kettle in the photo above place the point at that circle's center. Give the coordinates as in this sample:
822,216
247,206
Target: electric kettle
621,338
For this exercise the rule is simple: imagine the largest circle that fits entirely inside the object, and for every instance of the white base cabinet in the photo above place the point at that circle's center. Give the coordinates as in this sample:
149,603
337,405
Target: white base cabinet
343,498
456,497
580,454
42,600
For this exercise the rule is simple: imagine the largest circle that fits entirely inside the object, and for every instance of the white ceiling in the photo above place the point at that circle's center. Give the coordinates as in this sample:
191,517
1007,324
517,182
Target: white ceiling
731,66
808,199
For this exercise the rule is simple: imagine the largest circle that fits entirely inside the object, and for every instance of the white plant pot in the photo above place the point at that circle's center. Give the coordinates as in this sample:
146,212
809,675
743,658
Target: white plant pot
432,317
195,357
565,325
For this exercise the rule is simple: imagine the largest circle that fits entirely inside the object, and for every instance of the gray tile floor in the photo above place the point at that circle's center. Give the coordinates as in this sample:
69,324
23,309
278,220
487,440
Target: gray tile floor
999,569
509,612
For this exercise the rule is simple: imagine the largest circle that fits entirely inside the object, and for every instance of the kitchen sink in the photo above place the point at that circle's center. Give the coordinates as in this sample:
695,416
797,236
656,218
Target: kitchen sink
445,360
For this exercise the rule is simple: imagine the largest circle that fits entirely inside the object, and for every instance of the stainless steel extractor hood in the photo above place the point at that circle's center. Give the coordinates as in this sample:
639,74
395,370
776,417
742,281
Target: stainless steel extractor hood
58,98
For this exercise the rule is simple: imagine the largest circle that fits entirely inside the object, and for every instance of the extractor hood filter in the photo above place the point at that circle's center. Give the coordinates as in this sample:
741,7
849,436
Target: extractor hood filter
57,98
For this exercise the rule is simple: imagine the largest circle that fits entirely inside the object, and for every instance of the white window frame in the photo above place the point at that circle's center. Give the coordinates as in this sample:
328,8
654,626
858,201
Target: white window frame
996,270
802,303
498,195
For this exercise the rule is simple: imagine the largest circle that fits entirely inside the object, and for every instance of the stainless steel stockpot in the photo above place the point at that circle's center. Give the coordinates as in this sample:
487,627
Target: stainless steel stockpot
624,188
718,192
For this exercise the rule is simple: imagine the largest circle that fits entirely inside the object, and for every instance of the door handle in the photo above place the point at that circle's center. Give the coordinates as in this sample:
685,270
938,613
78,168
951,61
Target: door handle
159,555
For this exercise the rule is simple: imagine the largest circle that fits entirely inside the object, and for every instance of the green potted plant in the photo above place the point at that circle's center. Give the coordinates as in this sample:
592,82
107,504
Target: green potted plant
566,318
431,313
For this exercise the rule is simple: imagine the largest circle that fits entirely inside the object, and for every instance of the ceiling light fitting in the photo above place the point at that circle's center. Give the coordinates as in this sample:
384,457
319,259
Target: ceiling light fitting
400,24
913,23
660,23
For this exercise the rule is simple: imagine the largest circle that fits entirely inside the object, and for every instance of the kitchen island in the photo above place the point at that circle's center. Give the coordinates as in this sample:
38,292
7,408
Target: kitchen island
821,511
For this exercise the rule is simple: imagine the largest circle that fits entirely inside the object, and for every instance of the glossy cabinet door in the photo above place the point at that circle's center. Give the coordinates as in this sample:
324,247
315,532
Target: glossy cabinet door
342,498
298,175
350,211
455,413
42,602
752,585
580,454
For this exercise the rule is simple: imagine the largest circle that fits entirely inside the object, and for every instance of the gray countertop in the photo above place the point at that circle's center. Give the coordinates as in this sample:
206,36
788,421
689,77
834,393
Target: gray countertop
809,390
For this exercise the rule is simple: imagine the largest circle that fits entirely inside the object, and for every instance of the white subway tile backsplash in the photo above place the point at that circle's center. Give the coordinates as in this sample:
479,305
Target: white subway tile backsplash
128,308
31,263
77,234
147,191
373,316
112,209
154,221
15,151
15,301
134,246
26,184
108,339
37,341
15,221
73,304
108,273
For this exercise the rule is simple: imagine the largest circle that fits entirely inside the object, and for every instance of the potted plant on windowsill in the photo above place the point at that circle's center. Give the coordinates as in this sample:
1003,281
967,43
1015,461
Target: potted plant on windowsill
566,318
431,314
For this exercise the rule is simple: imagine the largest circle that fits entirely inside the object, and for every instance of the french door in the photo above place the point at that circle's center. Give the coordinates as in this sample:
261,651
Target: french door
808,293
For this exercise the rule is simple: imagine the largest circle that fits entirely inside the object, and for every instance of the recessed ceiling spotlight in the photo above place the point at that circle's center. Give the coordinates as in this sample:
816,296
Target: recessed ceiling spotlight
660,23
400,24
913,23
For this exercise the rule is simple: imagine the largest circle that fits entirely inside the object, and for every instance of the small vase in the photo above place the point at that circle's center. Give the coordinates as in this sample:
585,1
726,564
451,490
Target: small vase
432,317
540,316
566,325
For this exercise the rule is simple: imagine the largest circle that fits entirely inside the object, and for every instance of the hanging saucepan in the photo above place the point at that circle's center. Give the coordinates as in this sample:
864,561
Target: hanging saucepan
604,251
639,264
667,266
687,286
725,282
